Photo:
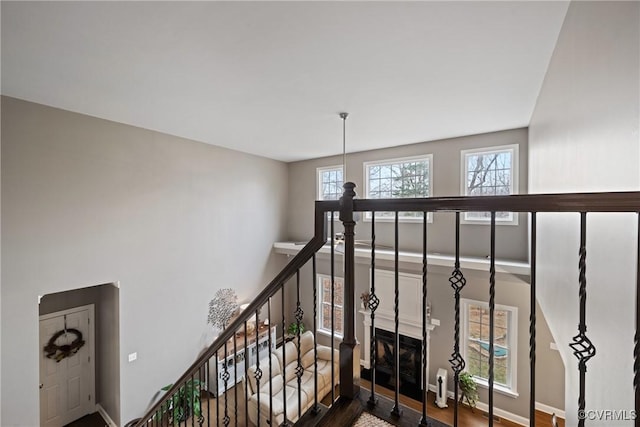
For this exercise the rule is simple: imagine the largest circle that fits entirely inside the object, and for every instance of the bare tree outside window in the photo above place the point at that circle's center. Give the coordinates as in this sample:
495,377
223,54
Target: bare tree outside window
330,183
489,173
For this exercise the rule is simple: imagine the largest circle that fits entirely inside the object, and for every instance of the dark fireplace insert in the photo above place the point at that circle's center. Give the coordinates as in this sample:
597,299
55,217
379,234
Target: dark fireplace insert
410,364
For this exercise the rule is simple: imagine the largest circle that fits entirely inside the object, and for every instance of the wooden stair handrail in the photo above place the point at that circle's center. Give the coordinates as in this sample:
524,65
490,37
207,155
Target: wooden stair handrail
298,261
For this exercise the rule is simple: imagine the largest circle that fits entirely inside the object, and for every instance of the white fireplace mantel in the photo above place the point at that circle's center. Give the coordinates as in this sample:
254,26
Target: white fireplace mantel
409,313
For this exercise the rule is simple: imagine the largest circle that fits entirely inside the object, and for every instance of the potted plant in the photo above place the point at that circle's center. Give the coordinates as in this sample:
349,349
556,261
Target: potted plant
293,330
184,403
468,388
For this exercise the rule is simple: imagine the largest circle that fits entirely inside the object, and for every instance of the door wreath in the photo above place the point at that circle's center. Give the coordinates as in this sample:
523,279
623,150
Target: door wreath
59,352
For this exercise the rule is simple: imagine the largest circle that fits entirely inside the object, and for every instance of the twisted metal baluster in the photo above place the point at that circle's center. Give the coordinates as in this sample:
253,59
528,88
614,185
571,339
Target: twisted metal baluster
395,411
636,350
316,408
532,324
285,422
258,374
582,346
299,370
458,282
492,312
225,378
425,381
373,305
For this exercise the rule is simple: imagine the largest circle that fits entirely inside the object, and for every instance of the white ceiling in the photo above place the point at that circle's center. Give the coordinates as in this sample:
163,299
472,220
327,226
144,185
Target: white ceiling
269,78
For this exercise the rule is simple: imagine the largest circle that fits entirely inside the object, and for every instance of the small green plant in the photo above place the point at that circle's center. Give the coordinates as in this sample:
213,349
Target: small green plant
184,403
468,388
294,330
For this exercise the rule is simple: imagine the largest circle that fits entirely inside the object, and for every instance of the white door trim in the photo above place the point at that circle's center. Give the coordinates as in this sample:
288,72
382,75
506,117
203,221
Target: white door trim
90,346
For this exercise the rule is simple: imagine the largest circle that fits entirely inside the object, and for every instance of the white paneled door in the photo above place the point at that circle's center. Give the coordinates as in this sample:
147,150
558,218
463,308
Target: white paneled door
67,383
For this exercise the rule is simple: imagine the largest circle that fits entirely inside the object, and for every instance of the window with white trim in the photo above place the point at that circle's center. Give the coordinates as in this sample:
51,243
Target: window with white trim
399,178
490,172
324,309
330,183
475,343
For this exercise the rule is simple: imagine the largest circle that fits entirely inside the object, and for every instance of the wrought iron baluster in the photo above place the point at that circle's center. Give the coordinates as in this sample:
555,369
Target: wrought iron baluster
492,312
425,375
202,377
636,352
316,408
207,376
246,377
582,346
235,378
457,282
217,391
258,374
532,324
373,305
185,406
395,411
225,378
195,386
299,370
270,362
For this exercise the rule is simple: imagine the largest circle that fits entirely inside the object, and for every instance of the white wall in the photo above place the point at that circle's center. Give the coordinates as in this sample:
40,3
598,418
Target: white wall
583,136
86,201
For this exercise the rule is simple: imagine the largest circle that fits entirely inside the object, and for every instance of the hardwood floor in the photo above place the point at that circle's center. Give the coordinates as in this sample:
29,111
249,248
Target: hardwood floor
466,417
214,410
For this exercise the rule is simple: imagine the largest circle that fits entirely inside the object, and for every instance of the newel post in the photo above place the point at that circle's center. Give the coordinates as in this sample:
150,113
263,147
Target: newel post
349,347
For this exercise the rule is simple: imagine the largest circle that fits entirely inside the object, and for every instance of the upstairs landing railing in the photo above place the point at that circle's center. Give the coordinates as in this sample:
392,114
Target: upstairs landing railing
234,411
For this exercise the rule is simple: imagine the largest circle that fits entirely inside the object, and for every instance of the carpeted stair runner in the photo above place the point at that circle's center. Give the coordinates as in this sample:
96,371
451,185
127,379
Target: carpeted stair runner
368,420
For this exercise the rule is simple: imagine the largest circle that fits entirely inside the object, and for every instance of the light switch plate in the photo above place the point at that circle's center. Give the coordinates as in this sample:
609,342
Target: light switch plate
133,356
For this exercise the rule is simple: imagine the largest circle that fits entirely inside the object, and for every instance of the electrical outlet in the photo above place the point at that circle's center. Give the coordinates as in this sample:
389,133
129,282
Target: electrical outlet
133,356
435,322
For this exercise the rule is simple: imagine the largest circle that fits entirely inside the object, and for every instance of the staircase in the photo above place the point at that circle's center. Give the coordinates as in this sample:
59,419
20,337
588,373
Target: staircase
292,395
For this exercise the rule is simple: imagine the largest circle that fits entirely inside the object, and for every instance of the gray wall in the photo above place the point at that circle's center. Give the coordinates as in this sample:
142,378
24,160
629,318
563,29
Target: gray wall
107,338
584,137
511,240
512,243
86,201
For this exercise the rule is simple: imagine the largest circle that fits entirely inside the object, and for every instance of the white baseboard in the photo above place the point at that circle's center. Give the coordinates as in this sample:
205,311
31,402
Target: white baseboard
496,411
104,415
550,410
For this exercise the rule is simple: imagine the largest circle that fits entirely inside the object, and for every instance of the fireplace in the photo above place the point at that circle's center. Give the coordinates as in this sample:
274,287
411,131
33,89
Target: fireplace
410,353
409,323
